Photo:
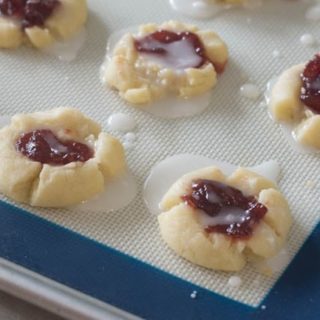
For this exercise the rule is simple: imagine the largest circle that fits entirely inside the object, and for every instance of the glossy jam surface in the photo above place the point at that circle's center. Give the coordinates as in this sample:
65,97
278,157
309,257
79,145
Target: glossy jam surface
45,147
30,12
238,214
182,49
310,92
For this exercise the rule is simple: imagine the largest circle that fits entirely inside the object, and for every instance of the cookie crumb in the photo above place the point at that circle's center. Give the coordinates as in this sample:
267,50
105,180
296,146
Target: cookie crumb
193,295
263,307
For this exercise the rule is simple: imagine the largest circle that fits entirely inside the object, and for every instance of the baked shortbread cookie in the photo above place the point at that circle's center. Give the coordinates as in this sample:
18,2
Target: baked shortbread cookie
57,158
295,101
171,58
40,22
221,222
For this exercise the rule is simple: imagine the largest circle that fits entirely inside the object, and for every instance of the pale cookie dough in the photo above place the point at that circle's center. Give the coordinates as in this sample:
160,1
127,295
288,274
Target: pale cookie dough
140,80
286,107
182,230
58,185
65,21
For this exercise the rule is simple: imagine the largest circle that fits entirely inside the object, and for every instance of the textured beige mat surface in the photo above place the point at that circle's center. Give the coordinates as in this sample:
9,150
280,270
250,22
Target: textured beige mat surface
232,129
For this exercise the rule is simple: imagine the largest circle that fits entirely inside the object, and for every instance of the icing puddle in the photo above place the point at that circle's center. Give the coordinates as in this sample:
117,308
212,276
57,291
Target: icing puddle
168,171
113,197
69,49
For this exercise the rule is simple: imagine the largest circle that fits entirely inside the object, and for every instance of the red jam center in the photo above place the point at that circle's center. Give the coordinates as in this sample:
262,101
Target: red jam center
310,92
180,50
43,146
227,204
30,12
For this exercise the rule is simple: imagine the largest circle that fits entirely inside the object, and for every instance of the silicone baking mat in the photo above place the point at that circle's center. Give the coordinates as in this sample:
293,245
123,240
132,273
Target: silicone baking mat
232,129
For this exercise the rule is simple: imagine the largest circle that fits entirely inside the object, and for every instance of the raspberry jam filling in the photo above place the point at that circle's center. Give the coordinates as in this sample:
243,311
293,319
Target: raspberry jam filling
45,147
233,213
174,50
310,92
30,12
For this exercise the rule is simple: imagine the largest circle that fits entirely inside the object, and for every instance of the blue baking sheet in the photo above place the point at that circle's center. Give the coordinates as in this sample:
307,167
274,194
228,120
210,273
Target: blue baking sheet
127,283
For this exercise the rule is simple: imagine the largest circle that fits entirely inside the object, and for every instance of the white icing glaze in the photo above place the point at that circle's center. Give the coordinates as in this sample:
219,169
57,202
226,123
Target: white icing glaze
179,55
168,171
130,137
200,9
128,145
170,107
269,87
250,91
269,170
69,49
121,122
203,9
234,282
226,216
289,133
307,40
113,197
128,140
